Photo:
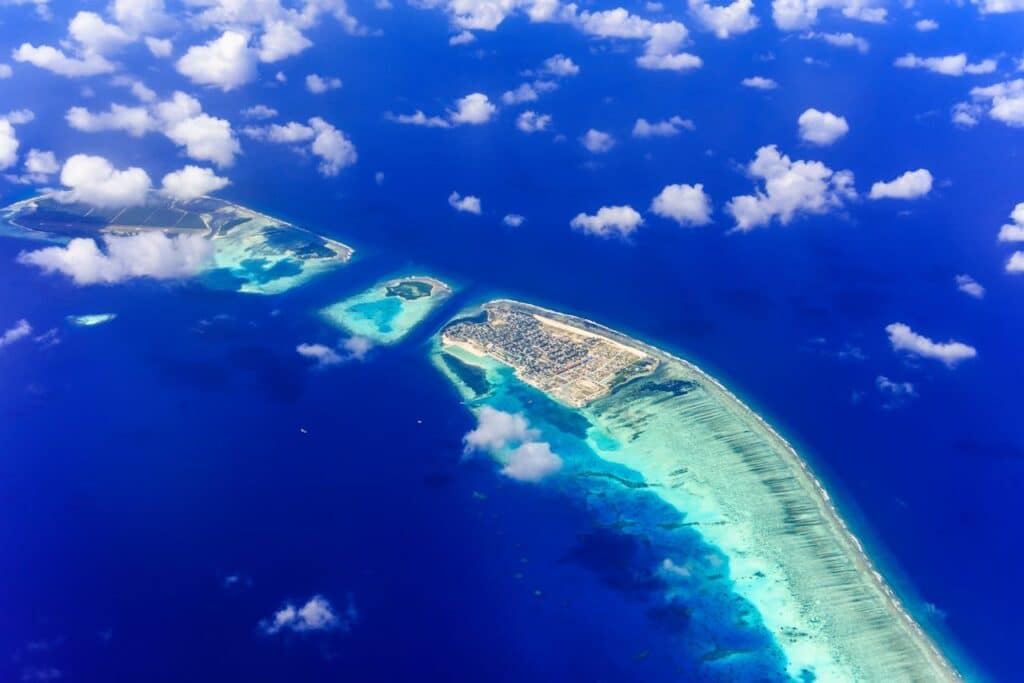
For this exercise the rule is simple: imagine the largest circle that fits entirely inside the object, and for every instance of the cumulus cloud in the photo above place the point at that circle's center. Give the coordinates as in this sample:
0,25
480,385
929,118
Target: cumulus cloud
513,220
8,144
597,141
725,20
905,339
6,71
821,127
759,83
318,85
1014,230
532,122
191,182
51,59
142,255
473,109
259,112
560,65
661,129
925,25
840,40
950,65
790,188
462,38
531,462
316,615
969,286
999,6
1005,101
524,93
418,118
324,355
793,15
496,429
509,437
136,121
227,62
352,348
19,330
330,144
609,221
39,163
159,47
910,185
685,204
468,204
140,16
281,40
894,393
94,180
1015,264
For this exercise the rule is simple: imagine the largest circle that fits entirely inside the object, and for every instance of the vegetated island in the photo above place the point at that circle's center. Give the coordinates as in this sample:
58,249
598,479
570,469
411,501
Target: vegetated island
389,310
736,481
253,252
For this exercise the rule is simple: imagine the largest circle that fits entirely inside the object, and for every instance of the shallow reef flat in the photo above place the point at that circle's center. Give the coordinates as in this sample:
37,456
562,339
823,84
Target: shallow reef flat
733,480
253,252
389,310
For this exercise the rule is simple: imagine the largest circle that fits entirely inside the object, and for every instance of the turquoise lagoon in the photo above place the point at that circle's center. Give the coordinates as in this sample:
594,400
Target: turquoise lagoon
389,310
733,523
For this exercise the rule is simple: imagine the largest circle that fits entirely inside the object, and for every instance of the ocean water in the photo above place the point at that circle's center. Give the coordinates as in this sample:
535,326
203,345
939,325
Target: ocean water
145,461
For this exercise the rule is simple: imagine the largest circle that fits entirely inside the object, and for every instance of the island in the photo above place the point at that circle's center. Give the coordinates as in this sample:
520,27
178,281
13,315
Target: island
741,525
388,311
253,252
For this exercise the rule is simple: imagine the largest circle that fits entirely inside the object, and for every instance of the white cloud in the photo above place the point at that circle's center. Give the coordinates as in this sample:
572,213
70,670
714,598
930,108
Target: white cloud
97,36
1005,101
661,129
191,182
462,38
821,127
999,6
1014,231
910,185
316,615
418,118
725,20
1016,262
496,429
52,59
159,47
138,88
259,112
950,65
226,62
840,40
286,134
5,71
952,352
334,149
281,40
136,121
609,221
357,347
560,65
896,393
468,204
792,15
791,188
925,25
318,85
93,180
40,163
140,16
324,356
759,83
532,122
685,204
19,330
513,220
531,462
965,114
473,109
147,254
597,141
8,144
19,116
204,137
661,49
969,286
524,93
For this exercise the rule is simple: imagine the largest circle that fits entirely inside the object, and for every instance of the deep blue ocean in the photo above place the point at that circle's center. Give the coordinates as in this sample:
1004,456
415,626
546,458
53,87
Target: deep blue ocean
144,461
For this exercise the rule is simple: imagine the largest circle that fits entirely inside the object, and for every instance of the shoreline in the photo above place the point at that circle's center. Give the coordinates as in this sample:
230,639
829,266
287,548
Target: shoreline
839,530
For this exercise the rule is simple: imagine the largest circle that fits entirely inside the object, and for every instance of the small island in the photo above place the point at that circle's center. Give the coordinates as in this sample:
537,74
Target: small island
789,566
389,310
253,253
